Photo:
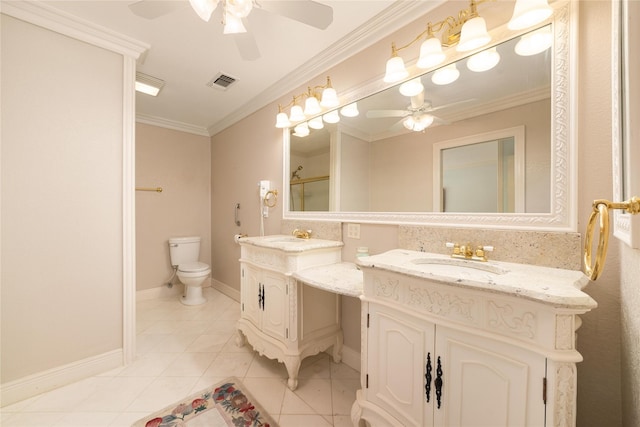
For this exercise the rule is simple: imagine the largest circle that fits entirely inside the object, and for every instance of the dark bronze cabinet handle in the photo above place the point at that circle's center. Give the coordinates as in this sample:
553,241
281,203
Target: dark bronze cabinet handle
427,377
438,382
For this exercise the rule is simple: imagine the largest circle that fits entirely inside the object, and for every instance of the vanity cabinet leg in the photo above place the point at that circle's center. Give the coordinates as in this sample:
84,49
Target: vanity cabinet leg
337,348
240,339
292,364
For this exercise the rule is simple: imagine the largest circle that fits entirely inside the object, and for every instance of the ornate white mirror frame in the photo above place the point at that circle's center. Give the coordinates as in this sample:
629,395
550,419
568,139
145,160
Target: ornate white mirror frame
626,111
562,215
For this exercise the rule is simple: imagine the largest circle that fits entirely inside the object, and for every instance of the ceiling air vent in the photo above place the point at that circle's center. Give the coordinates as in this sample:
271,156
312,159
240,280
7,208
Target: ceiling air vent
221,81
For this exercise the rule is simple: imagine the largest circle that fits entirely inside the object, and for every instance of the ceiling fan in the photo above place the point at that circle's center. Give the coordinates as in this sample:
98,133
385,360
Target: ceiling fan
308,12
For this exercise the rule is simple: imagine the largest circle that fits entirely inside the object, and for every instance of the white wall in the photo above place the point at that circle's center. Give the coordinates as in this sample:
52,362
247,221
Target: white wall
62,200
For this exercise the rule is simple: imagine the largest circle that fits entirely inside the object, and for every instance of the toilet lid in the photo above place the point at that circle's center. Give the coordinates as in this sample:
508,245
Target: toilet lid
193,267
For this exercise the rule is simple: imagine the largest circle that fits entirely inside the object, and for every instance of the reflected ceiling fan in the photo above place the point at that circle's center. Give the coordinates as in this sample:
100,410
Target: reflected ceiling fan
417,116
308,12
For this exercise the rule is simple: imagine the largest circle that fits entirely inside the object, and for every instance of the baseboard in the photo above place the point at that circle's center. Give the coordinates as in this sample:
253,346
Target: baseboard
351,358
160,292
226,289
51,379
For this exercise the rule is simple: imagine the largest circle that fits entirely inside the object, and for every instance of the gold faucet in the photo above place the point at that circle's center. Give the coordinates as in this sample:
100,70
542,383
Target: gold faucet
467,251
302,234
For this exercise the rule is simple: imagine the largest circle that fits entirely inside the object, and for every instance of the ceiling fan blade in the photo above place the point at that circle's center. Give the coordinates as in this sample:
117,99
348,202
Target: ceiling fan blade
440,107
149,9
247,46
377,114
308,12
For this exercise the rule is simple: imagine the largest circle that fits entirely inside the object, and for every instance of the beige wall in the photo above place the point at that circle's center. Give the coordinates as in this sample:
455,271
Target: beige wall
599,382
62,174
179,163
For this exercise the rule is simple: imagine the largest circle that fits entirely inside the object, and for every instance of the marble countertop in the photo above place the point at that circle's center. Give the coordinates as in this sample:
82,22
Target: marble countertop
343,278
557,287
288,243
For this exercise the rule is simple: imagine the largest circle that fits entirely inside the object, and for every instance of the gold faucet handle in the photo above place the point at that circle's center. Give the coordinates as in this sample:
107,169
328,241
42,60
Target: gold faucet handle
455,246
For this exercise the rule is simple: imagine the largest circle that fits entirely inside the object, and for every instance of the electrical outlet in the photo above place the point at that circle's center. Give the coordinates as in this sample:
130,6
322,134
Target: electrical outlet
353,231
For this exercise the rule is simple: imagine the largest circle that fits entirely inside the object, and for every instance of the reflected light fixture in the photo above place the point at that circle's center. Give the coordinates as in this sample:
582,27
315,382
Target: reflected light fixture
534,42
316,123
484,60
418,123
301,130
316,99
412,87
350,110
445,75
467,31
331,117
147,84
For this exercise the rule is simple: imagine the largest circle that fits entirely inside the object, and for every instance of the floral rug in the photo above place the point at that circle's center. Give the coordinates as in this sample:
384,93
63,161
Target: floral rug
224,404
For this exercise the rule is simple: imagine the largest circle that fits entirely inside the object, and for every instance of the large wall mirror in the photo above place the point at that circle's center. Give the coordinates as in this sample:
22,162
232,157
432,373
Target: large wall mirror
381,166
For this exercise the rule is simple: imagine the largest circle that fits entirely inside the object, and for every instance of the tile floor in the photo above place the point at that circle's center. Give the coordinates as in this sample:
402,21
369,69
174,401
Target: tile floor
182,350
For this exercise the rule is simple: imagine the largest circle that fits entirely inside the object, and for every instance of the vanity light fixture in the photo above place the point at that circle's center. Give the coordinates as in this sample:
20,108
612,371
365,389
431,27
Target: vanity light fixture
468,31
527,13
147,84
484,60
316,99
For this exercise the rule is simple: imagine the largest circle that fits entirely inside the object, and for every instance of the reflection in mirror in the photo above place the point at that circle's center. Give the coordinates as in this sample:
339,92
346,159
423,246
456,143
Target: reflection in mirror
483,173
383,157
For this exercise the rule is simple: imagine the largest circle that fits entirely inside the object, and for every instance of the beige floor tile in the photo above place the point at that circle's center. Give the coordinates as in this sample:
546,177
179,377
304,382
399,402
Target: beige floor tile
287,420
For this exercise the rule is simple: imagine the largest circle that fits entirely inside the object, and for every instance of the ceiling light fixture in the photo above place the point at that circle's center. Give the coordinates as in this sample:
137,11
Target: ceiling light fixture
234,11
468,31
316,98
148,85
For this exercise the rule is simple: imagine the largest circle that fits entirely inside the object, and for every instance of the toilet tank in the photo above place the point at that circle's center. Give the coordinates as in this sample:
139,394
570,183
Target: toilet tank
184,249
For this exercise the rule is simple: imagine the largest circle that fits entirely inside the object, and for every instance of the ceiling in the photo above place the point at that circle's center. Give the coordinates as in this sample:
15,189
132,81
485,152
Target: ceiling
187,52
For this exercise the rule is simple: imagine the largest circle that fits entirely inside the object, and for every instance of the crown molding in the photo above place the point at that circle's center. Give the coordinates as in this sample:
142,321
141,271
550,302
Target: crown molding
53,19
385,23
171,124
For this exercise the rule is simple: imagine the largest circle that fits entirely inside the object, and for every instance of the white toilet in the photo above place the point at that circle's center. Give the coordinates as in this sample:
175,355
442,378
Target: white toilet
184,252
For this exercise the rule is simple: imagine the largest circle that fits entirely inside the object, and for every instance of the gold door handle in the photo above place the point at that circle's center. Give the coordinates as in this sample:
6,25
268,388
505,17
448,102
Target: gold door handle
601,209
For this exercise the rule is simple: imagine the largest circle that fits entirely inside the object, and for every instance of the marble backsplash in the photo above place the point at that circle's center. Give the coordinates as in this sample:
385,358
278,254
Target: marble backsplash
542,248
319,229
547,249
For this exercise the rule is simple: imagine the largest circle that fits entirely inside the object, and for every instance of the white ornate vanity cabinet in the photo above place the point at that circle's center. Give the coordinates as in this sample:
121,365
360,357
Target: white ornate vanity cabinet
281,318
450,342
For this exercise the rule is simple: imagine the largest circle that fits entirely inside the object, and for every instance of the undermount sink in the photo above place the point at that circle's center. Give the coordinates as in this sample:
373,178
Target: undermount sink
457,267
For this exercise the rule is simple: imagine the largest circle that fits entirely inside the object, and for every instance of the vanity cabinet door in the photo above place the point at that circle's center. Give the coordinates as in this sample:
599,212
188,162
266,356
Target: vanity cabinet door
400,352
488,383
251,289
264,301
275,313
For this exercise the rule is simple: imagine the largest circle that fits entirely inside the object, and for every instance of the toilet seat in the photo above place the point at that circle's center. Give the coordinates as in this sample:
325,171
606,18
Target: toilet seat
193,267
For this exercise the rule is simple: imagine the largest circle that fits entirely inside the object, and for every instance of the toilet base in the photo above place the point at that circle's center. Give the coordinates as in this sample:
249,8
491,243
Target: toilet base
192,295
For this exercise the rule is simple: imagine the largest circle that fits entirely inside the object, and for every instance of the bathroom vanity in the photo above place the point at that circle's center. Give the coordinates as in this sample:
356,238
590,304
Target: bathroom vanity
451,342
280,317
